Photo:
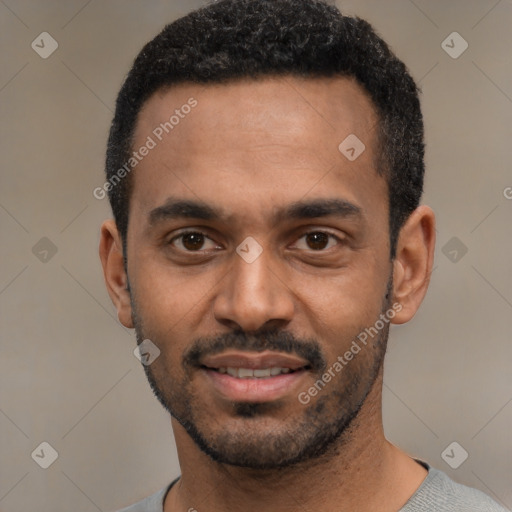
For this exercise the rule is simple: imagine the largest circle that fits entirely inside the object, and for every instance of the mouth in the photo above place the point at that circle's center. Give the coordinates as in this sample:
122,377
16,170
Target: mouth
254,373
254,377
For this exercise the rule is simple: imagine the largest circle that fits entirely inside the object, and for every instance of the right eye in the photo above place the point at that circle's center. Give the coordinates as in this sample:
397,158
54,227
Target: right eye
193,241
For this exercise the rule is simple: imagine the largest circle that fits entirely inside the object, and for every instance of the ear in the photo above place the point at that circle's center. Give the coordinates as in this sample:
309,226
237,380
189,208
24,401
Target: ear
413,262
111,255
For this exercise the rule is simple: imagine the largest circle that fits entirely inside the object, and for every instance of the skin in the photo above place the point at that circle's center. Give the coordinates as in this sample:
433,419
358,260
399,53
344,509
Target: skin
251,148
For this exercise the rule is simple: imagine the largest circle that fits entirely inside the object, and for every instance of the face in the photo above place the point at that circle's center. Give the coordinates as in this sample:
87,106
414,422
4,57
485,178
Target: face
257,252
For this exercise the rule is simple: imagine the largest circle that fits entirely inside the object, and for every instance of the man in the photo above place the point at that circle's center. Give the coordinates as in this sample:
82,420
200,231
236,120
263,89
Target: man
265,166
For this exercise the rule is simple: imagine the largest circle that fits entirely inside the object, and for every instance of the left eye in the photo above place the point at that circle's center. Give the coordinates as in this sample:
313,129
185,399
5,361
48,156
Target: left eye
193,241
317,241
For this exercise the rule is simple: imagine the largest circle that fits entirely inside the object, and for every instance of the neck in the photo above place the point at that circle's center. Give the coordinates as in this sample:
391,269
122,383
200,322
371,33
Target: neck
361,464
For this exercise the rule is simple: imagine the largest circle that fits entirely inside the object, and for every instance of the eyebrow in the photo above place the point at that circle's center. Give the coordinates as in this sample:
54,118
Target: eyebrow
184,209
175,208
319,208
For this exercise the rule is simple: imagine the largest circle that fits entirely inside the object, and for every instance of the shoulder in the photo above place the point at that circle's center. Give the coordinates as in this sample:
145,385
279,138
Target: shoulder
440,493
153,503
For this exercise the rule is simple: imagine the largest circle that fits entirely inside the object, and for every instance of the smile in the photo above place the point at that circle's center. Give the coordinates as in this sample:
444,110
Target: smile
238,376
250,373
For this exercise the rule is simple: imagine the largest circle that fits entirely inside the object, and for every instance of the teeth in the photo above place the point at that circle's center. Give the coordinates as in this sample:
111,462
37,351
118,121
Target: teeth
249,373
265,372
243,373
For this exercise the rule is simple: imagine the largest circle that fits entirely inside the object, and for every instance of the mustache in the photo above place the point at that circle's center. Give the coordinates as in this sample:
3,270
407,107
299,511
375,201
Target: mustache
275,340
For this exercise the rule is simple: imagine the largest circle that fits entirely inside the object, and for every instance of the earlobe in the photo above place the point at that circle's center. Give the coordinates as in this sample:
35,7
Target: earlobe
413,262
116,280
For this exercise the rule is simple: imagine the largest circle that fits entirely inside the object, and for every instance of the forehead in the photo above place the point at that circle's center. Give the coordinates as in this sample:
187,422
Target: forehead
275,106
280,136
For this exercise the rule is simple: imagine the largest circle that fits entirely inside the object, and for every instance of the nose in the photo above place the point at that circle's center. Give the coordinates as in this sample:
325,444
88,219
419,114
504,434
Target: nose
253,296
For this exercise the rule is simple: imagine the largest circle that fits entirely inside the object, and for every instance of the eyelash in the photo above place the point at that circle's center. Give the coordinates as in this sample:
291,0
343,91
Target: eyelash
199,251
191,232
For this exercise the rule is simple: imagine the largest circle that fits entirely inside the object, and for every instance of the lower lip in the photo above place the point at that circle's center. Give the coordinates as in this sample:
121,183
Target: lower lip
254,389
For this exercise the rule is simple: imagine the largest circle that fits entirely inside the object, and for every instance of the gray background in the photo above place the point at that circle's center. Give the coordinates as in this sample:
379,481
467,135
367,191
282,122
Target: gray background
69,376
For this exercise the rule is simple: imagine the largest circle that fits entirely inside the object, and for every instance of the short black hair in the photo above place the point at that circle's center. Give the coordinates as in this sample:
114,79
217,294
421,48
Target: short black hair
235,39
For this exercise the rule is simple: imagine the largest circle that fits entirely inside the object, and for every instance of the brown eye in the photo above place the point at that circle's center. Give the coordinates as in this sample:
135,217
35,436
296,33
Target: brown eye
317,241
193,241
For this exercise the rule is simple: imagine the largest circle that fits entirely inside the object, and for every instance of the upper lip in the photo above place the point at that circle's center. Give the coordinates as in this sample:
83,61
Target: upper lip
254,360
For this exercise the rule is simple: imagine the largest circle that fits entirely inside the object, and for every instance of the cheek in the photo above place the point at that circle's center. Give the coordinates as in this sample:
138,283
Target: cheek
338,308
166,299
164,292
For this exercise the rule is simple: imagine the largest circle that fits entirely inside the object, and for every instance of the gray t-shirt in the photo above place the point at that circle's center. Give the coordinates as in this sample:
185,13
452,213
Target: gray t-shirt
437,493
